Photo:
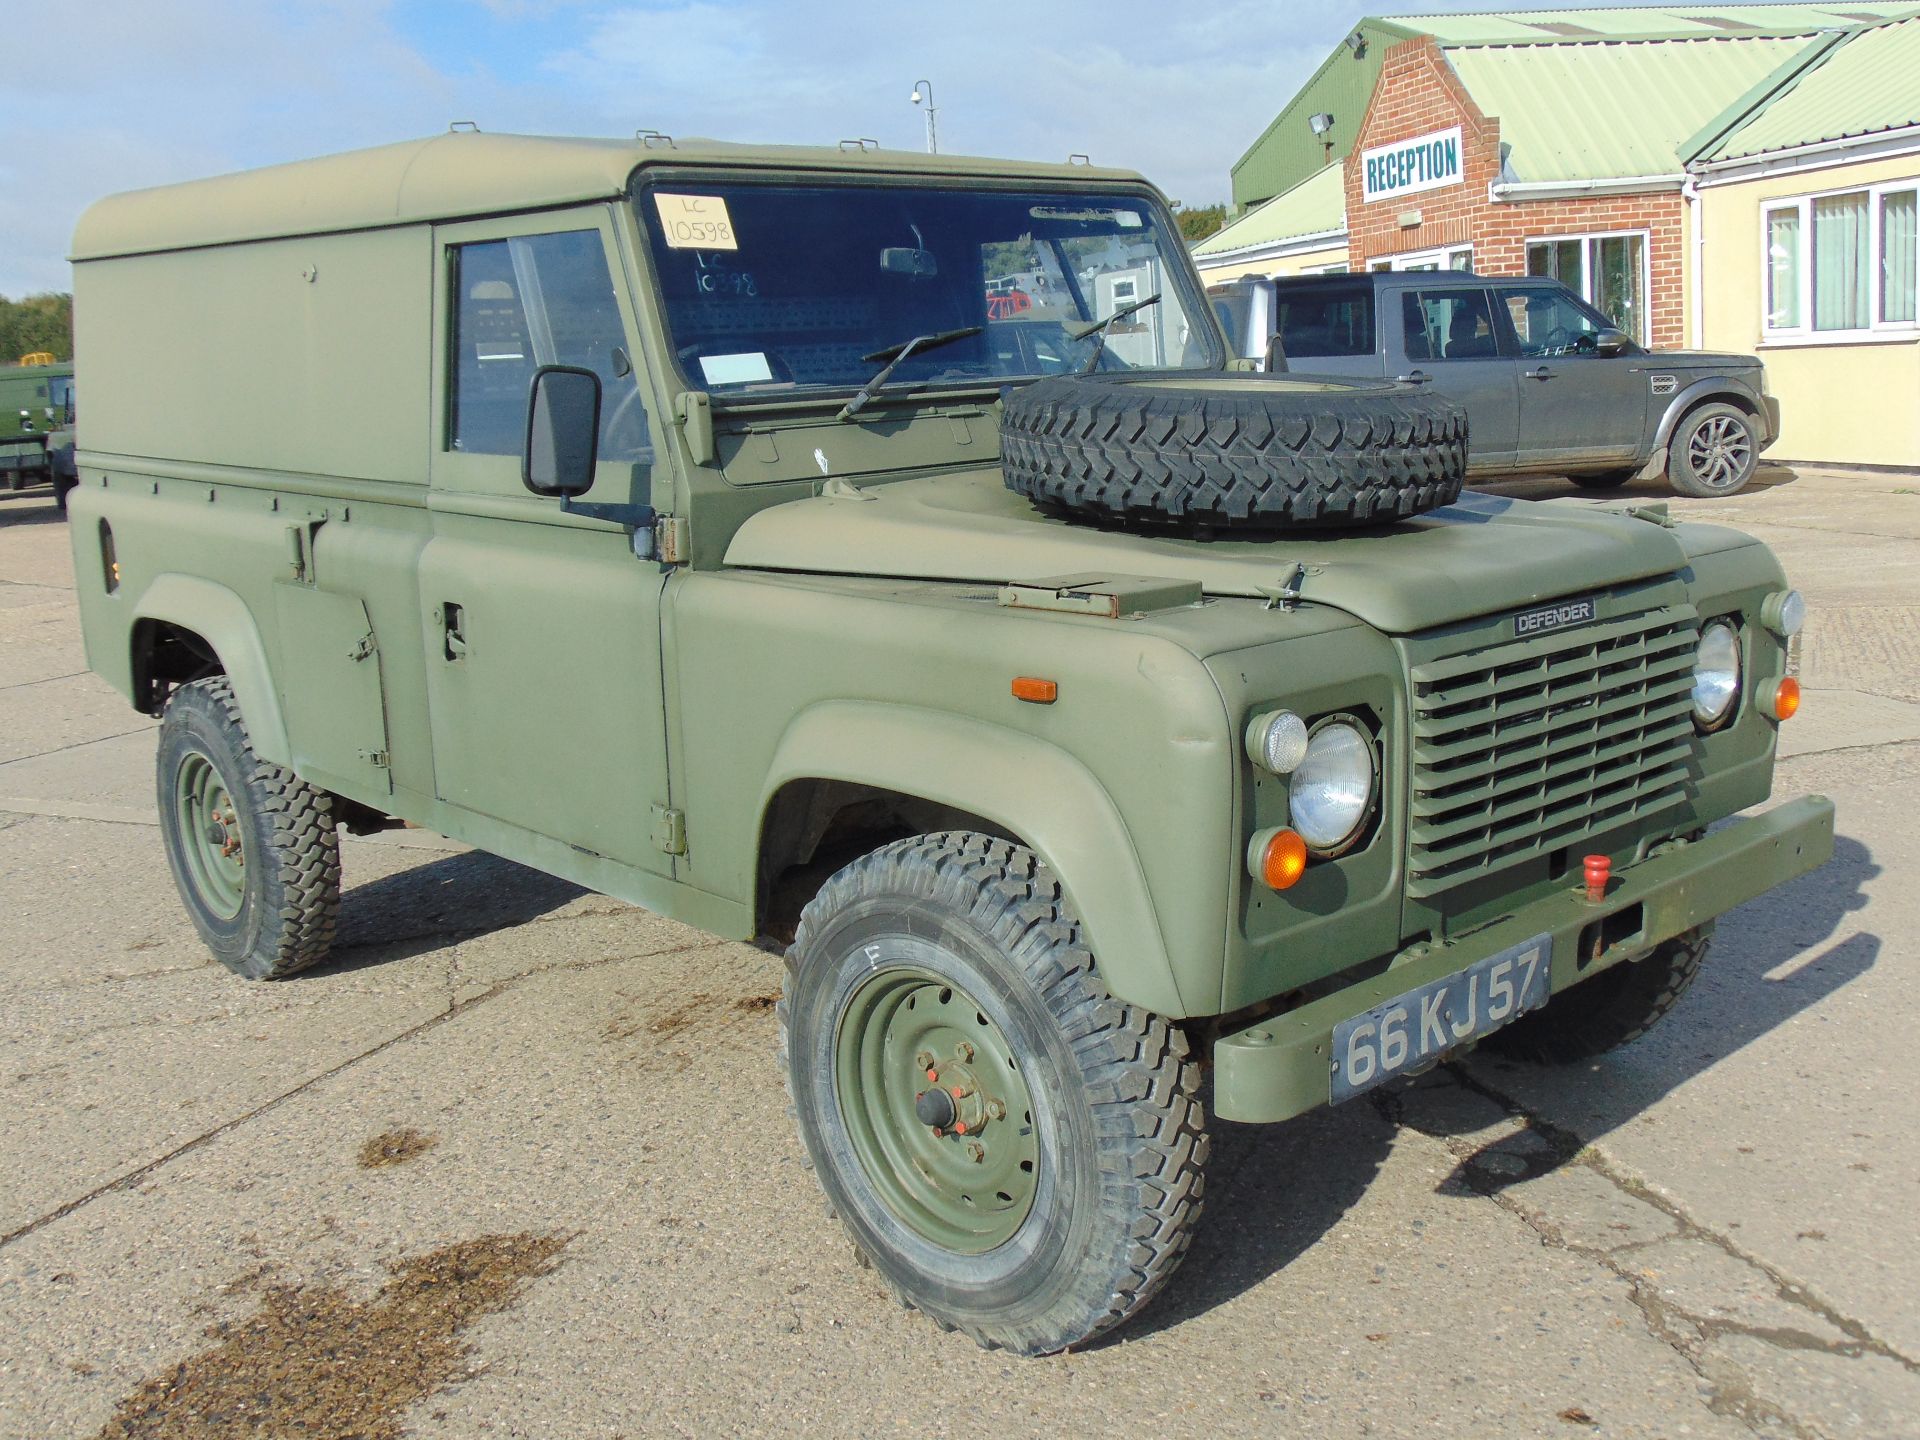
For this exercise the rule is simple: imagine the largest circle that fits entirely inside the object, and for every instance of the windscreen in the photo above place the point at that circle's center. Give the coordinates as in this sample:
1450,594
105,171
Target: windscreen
789,288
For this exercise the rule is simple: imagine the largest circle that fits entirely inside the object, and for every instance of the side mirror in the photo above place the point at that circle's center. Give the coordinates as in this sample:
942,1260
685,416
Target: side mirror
1276,356
1611,342
563,431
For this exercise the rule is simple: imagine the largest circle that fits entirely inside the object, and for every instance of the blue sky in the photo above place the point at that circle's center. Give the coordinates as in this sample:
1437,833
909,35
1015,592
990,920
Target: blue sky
151,91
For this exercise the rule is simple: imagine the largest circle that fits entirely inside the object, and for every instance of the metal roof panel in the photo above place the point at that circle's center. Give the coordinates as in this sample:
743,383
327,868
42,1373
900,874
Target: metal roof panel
1866,85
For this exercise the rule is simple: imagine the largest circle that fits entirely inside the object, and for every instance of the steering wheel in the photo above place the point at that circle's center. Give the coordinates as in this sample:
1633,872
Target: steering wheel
1559,339
1584,344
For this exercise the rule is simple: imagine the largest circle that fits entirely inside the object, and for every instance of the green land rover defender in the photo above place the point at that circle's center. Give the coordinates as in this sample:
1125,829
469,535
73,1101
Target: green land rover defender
878,555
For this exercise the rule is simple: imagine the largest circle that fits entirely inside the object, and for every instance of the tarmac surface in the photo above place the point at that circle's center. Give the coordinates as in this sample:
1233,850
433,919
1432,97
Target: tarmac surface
517,1163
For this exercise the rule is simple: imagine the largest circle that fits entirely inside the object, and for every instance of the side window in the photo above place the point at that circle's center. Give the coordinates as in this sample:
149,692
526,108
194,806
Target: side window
525,302
1547,322
1451,324
1326,320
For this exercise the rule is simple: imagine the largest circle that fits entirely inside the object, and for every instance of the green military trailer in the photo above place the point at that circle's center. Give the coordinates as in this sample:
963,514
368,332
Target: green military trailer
1107,734
36,424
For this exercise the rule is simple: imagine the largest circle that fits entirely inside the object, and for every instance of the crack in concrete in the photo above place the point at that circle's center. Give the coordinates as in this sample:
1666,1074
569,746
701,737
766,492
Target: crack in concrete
1688,1334
455,1008
43,680
77,745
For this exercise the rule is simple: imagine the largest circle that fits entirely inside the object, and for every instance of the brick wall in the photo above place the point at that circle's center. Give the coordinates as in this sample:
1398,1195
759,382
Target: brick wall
1418,93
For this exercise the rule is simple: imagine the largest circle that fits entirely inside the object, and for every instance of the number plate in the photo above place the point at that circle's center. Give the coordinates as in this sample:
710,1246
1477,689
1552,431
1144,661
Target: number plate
1417,1028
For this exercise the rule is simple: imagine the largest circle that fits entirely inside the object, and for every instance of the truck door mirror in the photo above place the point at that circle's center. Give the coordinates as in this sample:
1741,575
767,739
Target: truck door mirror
563,431
1276,355
1611,342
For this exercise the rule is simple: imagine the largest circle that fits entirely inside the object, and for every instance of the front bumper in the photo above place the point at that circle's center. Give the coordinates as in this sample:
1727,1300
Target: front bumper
1281,1066
1769,420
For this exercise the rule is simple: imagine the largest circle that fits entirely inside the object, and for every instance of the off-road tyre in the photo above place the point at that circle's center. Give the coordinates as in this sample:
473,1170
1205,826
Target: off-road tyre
1116,1117
1690,474
1219,450
288,888
1607,1010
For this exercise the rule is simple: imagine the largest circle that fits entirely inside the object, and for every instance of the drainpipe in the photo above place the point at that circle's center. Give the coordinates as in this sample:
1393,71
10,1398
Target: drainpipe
1697,286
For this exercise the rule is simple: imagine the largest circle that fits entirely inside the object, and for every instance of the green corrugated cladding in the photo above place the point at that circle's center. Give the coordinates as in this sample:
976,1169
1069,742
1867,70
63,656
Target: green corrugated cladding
1670,88
1865,85
1649,22
1313,207
1287,152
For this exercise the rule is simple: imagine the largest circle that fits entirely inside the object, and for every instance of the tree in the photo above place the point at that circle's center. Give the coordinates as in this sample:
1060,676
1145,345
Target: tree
1197,225
38,322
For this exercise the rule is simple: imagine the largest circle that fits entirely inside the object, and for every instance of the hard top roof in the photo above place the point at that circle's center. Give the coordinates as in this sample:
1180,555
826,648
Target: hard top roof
466,173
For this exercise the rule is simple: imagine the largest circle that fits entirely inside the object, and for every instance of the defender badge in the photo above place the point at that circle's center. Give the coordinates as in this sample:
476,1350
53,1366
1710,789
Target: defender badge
1554,617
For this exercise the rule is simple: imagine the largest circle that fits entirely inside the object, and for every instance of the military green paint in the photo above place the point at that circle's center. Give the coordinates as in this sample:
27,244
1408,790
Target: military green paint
264,358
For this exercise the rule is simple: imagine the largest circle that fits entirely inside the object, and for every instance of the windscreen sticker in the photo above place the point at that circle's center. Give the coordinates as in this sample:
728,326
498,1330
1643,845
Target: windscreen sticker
695,222
742,369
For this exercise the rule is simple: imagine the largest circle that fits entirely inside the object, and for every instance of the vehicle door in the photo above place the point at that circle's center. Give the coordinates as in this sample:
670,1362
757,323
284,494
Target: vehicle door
1447,339
543,629
1577,405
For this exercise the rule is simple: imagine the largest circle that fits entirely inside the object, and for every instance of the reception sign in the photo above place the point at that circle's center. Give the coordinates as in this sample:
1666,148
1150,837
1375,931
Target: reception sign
1407,167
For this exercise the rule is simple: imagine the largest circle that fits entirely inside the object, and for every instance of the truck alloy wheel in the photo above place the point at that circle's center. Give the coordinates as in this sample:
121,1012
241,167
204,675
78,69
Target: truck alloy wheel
1017,1153
252,847
1714,452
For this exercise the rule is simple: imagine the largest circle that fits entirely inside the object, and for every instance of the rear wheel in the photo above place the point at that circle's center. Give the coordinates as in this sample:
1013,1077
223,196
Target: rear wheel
1606,1011
252,847
1016,1152
1714,451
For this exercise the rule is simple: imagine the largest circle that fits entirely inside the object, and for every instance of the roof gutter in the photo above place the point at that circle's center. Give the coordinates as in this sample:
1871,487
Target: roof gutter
1273,249
1512,190
1847,149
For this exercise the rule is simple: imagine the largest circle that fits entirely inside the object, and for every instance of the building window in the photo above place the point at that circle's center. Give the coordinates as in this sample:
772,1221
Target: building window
1841,265
1608,271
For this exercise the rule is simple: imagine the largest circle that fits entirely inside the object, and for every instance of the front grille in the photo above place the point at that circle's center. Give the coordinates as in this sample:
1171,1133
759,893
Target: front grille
1523,748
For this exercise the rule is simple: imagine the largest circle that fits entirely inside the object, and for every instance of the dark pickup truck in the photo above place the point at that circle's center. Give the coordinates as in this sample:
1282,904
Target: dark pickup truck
1548,383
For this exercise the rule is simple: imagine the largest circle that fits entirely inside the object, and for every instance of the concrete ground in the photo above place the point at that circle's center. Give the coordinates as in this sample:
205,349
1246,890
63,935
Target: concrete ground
204,1182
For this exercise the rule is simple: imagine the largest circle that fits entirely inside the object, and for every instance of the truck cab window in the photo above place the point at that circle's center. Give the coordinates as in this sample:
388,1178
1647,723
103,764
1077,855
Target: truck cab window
525,302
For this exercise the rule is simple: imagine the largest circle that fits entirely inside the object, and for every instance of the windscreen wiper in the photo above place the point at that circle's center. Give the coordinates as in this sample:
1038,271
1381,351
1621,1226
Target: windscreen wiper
1098,329
893,355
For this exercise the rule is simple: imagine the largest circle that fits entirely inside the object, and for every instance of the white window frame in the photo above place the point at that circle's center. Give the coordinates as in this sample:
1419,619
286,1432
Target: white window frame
1585,288
1804,333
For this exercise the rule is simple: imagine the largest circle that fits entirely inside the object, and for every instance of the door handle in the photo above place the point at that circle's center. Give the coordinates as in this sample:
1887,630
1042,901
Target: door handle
1543,373
453,620
1414,377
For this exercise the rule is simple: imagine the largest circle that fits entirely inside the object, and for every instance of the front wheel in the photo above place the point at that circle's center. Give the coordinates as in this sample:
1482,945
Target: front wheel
1714,452
1018,1153
1605,1011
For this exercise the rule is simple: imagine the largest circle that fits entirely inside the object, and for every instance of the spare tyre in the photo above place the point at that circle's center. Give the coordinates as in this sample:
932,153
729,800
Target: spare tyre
1232,449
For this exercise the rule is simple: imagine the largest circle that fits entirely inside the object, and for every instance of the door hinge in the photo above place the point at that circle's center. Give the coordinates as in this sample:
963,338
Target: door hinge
364,649
673,540
669,830
375,758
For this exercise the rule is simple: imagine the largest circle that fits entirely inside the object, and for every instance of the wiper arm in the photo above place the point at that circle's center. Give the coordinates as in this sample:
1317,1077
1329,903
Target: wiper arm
893,355
1098,329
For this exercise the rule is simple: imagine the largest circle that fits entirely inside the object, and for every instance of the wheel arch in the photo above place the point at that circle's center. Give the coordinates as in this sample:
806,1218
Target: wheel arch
917,769
179,615
1702,392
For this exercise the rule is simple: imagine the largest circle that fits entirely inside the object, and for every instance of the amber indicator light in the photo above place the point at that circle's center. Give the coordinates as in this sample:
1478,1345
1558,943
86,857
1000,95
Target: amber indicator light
1034,691
1786,699
1284,860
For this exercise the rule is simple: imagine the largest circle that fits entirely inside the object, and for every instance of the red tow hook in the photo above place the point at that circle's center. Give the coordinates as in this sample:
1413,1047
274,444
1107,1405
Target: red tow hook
1598,870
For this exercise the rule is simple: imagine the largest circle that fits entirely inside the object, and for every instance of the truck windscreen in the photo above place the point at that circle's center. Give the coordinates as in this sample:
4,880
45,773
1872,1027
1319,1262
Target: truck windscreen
772,288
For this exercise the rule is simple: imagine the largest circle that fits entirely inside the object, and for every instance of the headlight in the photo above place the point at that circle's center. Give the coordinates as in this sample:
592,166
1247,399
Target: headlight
1277,741
1716,675
1332,789
1784,613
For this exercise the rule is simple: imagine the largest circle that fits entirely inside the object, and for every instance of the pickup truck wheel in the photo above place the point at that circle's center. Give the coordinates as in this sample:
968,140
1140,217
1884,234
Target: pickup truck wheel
252,847
1016,1152
1607,1010
1232,450
1714,451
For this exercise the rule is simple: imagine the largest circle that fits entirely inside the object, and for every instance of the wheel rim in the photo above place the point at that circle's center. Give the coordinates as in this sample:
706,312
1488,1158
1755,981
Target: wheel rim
212,839
1719,452
966,1184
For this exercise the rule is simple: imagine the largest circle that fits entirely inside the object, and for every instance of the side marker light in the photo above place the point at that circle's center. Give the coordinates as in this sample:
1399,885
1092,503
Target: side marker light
1034,691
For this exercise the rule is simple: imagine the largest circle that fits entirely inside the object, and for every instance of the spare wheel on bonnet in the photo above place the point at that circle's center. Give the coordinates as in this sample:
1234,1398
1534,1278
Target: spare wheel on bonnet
1233,449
